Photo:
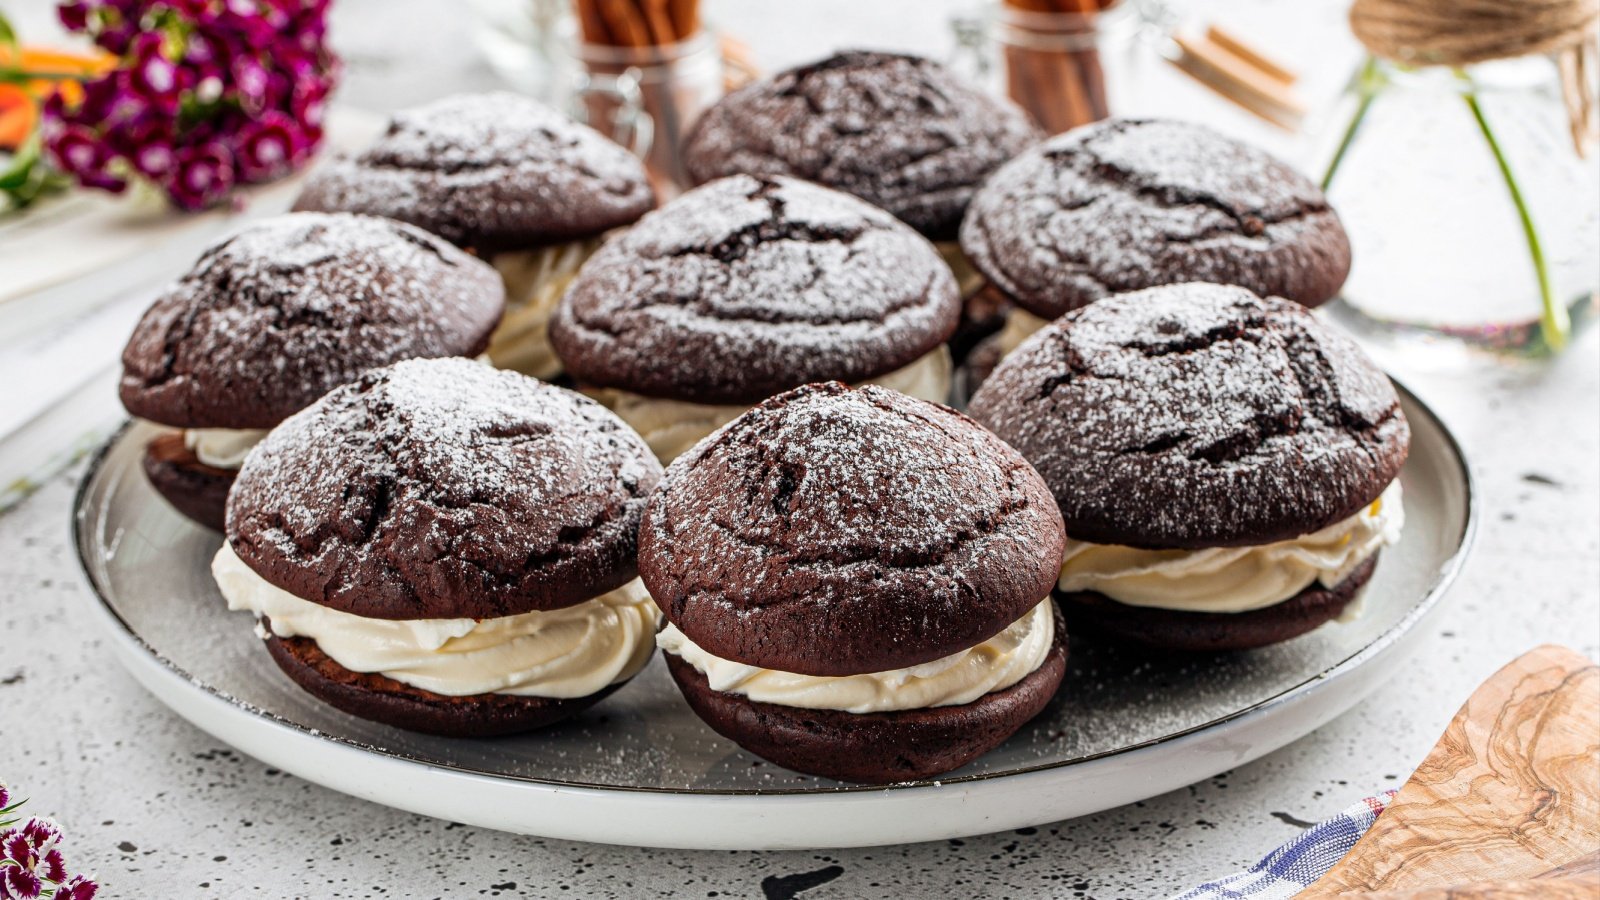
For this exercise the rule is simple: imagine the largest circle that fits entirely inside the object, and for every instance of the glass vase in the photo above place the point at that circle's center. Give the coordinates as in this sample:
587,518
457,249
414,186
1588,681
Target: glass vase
1065,69
1473,219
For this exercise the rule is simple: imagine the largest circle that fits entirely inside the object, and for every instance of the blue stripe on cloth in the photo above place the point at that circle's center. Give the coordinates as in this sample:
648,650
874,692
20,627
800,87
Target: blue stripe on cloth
1287,870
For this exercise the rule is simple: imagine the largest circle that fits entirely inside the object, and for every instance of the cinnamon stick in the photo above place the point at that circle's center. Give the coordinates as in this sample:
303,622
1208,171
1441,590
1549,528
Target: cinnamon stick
685,16
625,23
591,23
1055,71
659,22
637,23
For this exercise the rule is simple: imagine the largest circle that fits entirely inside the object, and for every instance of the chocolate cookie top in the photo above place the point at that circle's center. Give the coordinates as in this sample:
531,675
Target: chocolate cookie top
898,131
489,171
1198,415
837,531
441,489
748,286
1127,204
293,306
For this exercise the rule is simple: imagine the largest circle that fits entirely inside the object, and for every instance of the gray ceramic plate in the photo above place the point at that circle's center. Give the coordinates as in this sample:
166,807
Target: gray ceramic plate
640,768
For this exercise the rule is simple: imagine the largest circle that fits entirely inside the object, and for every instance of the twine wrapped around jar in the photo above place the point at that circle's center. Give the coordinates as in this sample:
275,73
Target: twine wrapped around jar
1459,33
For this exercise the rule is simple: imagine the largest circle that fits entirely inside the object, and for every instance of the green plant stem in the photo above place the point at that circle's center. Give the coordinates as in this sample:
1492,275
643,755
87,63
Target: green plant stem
1367,82
23,76
1554,323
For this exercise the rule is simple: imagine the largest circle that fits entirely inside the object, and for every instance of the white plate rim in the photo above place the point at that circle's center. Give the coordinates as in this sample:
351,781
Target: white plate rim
878,814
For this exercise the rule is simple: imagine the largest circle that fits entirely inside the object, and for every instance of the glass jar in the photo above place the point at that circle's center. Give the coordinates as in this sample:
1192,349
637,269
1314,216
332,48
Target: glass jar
522,40
1472,218
1065,69
648,97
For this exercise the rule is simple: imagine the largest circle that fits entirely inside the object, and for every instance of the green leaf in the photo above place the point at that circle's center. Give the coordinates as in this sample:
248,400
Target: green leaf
8,35
15,175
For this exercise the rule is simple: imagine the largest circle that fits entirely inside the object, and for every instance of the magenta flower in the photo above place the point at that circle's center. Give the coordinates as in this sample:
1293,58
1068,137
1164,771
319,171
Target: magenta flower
152,75
29,860
209,94
76,888
203,175
81,154
31,865
73,16
268,147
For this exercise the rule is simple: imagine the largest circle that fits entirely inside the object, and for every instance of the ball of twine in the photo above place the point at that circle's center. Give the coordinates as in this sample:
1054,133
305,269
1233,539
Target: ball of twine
1463,32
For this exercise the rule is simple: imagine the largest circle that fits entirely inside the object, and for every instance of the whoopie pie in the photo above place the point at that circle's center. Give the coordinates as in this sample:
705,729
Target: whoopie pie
273,318
901,132
1225,463
510,179
856,584
1126,204
746,287
446,547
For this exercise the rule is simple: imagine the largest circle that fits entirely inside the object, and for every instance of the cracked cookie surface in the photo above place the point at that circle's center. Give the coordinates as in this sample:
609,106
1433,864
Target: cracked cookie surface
745,287
444,489
898,131
1127,204
295,305
1198,415
837,531
493,171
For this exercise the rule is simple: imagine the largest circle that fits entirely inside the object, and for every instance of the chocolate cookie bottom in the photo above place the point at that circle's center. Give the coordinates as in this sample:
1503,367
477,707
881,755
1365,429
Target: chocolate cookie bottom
873,748
382,699
193,488
1210,632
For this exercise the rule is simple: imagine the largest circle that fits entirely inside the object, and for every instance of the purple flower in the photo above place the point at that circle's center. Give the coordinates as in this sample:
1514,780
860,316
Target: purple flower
74,16
308,102
29,859
252,83
77,888
208,94
268,147
19,883
5,796
203,176
152,75
193,10
80,153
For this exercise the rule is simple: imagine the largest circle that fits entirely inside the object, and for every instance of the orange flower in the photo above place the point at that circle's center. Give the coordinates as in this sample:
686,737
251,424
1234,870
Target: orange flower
19,112
19,105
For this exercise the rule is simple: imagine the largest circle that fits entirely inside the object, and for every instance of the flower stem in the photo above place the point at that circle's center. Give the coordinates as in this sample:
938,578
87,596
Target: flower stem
1367,83
1554,323
23,76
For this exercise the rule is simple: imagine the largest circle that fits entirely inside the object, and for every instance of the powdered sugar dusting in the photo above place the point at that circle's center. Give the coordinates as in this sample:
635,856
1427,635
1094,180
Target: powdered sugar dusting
748,286
1128,204
1197,415
832,528
444,489
490,171
898,131
293,306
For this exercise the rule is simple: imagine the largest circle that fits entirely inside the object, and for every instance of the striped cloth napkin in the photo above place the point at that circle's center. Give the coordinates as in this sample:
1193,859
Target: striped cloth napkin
1289,869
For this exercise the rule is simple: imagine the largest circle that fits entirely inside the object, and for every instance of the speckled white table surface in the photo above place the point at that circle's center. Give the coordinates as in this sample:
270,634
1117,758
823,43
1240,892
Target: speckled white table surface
159,809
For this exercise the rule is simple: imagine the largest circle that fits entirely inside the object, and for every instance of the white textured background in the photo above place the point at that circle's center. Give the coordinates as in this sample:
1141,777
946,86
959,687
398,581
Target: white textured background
159,809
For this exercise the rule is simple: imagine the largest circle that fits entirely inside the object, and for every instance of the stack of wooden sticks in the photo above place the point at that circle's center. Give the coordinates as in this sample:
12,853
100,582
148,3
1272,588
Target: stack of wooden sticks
1052,61
637,23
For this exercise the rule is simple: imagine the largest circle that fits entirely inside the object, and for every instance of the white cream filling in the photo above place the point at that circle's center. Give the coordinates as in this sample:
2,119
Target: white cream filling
968,279
1020,325
222,448
994,665
560,653
535,281
1234,579
671,427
